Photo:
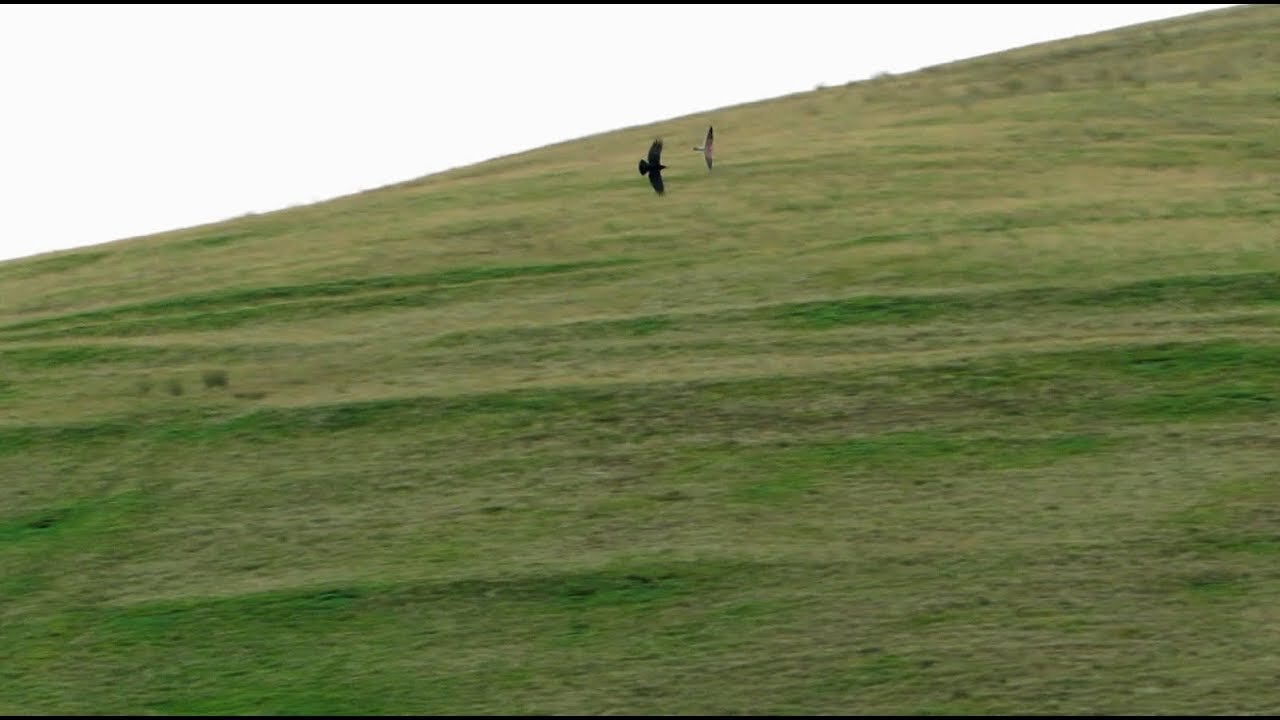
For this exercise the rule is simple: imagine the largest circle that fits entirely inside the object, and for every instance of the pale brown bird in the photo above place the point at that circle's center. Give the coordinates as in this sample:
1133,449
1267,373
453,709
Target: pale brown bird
705,149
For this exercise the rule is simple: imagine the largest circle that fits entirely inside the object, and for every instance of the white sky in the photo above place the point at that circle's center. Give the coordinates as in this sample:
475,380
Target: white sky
126,120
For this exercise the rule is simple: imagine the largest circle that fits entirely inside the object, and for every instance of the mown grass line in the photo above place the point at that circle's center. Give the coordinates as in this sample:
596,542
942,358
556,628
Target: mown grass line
1155,382
1192,292
248,303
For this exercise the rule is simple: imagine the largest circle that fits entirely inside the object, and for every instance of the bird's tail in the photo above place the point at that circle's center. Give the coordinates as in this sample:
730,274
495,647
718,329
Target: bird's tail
699,149
644,166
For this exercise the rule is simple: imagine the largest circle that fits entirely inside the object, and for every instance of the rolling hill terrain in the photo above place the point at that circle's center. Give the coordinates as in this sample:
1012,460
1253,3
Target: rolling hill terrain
954,392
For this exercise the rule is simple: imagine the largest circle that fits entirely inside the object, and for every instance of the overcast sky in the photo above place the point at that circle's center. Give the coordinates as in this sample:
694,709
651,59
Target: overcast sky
119,121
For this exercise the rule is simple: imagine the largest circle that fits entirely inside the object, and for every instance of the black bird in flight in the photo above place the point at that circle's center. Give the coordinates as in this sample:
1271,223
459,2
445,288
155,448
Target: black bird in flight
654,167
706,147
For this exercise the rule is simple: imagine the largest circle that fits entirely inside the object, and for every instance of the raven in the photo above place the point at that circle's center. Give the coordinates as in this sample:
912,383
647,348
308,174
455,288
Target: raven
706,148
653,168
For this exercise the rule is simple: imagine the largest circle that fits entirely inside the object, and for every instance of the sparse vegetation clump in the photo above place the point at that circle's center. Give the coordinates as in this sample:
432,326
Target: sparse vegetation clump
214,378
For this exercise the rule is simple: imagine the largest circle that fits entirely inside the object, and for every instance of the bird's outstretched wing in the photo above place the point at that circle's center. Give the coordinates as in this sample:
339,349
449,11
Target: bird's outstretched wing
654,166
706,146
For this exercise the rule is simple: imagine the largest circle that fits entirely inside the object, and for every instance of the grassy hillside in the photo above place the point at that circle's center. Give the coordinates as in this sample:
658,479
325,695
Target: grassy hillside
952,392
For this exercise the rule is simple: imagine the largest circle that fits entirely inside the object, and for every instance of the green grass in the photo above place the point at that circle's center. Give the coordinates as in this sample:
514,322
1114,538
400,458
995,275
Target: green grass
954,392
228,309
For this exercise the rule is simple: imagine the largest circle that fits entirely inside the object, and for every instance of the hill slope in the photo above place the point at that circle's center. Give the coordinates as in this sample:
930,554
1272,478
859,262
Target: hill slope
954,392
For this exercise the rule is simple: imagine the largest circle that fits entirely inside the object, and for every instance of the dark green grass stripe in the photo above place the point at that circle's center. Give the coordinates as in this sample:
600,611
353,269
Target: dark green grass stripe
1168,380
245,299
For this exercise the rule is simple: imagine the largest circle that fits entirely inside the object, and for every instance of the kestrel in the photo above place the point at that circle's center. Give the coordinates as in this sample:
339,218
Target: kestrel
705,149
